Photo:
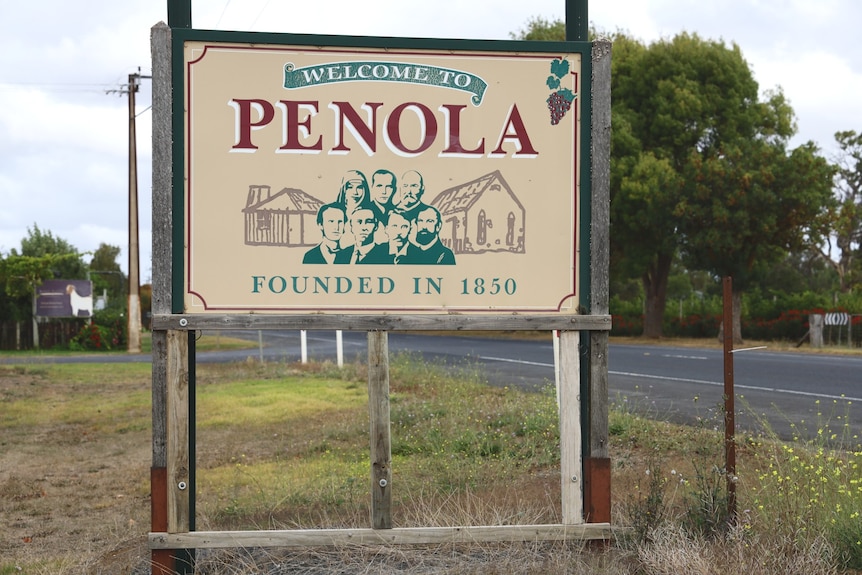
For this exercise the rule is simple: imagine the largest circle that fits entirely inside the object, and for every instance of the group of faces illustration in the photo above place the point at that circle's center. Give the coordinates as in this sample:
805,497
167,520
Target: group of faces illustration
384,223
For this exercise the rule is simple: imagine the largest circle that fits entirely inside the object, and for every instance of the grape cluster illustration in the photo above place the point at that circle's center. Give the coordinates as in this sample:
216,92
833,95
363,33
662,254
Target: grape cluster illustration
560,100
558,106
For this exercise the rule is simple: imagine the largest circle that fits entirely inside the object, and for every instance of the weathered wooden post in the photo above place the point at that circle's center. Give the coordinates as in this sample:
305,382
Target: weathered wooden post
597,463
162,559
571,463
381,450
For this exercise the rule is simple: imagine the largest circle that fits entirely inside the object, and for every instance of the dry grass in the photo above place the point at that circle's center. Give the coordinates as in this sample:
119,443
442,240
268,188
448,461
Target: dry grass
74,483
75,457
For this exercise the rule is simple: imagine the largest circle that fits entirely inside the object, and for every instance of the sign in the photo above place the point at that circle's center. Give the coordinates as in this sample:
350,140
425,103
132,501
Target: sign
64,298
356,178
837,318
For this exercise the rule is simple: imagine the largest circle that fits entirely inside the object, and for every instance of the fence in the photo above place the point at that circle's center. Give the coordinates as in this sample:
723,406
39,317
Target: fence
18,335
845,334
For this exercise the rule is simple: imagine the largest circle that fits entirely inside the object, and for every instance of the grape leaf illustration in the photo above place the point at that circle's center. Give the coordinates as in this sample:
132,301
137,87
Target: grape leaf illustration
553,82
559,68
568,94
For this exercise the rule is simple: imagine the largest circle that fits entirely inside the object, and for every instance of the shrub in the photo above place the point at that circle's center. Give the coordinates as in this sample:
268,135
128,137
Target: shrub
113,319
92,337
695,325
627,325
106,331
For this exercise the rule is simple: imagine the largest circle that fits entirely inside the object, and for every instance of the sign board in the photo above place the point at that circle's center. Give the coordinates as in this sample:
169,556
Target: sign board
837,318
366,175
64,298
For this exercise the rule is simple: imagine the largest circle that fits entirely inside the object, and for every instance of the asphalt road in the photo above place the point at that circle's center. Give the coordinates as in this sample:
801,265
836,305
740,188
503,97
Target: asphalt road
792,394
797,394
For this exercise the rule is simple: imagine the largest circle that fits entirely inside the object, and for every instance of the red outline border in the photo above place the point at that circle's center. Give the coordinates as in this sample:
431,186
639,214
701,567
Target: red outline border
439,310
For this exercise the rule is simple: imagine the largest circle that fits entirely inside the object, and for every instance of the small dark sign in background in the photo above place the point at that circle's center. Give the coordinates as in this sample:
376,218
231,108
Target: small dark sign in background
65,298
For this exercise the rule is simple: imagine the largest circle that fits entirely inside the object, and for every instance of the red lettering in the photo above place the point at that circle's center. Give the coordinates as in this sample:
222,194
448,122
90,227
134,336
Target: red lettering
405,136
243,124
364,133
514,130
293,126
452,113
427,128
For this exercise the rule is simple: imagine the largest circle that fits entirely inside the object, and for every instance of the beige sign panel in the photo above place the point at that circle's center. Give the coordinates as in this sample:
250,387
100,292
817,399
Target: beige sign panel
348,180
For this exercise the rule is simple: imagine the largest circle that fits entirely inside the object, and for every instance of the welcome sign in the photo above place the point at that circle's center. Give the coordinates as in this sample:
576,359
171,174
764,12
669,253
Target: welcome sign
368,175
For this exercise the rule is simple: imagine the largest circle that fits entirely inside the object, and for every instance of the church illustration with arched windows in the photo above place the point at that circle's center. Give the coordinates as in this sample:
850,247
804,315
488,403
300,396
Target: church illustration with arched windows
482,215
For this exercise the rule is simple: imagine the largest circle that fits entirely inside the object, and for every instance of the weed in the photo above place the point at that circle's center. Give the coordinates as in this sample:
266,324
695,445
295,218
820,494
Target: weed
813,486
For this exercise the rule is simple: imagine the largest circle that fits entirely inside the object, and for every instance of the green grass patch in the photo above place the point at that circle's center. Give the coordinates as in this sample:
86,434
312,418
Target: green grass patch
262,402
450,434
238,492
217,341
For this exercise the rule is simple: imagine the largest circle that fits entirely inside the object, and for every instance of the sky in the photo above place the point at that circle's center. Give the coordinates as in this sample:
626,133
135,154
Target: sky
64,66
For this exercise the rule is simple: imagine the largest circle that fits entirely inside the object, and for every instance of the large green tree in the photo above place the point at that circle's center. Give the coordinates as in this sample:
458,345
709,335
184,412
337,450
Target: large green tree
749,205
700,166
38,244
704,160
843,221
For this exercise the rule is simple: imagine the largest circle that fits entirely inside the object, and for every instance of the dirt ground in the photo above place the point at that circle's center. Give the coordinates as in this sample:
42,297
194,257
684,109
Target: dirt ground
73,498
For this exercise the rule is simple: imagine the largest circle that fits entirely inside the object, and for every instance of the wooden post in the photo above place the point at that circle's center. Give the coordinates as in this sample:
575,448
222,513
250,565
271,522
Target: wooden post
571,468
163,561
381,450
597,464
178,464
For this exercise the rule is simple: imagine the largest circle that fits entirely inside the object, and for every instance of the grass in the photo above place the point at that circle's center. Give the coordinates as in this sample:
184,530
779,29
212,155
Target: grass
209,341
286,446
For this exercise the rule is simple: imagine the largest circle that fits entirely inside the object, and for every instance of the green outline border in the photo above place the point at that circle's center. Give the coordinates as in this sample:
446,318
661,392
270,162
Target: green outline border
181,35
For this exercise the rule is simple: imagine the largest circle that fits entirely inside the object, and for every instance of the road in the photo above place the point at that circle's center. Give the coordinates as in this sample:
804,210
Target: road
798,394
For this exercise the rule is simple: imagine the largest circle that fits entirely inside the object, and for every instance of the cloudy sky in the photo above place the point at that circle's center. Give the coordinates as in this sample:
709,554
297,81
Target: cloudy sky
63,122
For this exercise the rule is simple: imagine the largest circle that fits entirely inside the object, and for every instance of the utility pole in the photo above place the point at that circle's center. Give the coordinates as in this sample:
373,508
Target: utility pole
134,295
134,307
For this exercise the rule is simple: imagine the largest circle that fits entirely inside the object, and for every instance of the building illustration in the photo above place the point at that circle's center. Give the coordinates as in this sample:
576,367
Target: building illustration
482,215
286,218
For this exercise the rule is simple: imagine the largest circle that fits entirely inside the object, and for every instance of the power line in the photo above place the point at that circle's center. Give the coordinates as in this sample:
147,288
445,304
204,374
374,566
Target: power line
59,86
53,83
226,4
258,15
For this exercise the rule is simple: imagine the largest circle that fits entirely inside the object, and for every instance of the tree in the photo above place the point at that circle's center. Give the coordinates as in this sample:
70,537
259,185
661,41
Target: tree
38,244
712,157
746,207
21,274
42,257
106,274
539,28
844,218
700,167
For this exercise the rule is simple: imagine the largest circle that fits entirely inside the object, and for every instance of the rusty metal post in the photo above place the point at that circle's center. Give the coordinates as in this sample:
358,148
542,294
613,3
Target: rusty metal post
729,408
